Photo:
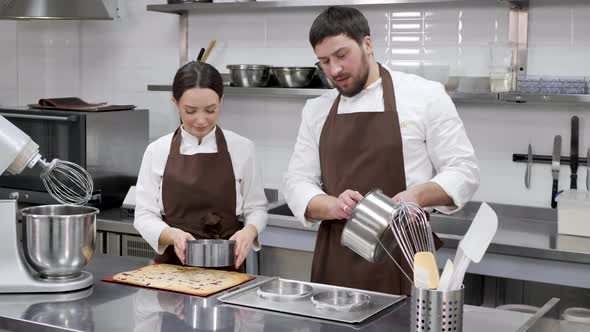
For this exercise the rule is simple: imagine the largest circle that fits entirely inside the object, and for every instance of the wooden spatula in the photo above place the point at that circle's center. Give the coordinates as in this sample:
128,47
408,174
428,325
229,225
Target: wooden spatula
425,260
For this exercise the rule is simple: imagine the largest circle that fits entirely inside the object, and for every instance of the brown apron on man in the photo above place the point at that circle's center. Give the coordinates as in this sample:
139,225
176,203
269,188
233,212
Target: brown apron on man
199,194
360,151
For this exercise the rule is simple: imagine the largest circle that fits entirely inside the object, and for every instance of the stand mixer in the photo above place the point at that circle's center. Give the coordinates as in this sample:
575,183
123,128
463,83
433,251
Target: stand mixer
58,240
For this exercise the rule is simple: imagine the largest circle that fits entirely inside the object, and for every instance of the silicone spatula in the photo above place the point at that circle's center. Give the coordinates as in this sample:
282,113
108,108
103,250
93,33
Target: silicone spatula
475,242
421,278
445,278
425,260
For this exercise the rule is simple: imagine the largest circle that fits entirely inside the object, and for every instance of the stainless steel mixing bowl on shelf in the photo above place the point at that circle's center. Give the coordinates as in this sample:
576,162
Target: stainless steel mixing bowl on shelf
249,76
293,77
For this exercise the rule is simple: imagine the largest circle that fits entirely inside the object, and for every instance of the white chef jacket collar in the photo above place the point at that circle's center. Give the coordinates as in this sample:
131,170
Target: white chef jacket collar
189,138
369,89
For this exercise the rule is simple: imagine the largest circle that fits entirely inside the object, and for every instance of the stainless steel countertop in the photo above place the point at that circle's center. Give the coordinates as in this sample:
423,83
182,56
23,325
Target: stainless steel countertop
116,307
522,231
115,220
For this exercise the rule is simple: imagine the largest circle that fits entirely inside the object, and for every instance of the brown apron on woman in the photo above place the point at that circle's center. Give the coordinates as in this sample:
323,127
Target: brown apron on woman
360,151
199,194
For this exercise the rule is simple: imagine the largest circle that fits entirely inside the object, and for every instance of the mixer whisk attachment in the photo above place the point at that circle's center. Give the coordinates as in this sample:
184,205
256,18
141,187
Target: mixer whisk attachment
412,231
67,182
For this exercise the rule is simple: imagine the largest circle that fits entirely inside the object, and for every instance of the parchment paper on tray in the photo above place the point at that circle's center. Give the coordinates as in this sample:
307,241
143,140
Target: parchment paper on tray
183,279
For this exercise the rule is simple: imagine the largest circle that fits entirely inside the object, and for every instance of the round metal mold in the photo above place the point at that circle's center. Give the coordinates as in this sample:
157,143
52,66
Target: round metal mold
340,300
210,253
284,291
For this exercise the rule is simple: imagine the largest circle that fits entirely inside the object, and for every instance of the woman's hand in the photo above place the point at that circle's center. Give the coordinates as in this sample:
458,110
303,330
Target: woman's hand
244,239
178,238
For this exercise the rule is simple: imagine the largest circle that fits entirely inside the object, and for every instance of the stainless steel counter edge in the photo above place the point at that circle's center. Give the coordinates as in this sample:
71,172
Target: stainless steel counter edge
114,220
116,307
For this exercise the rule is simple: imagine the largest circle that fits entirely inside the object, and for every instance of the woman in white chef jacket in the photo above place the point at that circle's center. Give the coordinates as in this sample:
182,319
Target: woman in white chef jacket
193,183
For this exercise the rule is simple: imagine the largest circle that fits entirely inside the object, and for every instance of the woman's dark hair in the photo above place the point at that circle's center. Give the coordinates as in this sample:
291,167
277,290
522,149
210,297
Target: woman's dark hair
196,75
336,21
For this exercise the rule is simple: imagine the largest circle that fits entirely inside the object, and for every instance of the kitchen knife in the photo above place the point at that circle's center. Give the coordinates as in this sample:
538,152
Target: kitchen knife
529,164
574,153
201,52
555,163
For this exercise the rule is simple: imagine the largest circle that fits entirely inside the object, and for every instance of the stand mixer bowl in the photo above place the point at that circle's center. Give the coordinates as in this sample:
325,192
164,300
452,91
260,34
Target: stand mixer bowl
58,240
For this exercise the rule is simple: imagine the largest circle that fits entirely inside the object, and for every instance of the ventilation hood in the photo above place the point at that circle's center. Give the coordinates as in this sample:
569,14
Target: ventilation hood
53,10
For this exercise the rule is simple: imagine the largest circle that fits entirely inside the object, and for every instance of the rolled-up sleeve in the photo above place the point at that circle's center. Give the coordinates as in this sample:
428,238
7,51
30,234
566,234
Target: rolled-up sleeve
148,220
255,204
302,181
451,153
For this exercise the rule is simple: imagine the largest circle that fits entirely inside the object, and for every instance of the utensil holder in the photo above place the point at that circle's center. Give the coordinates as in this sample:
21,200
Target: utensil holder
434,310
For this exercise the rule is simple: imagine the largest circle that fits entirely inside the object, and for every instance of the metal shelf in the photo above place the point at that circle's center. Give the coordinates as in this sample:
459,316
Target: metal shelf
459,97
223,6
308,92
476,97
516,97
257,92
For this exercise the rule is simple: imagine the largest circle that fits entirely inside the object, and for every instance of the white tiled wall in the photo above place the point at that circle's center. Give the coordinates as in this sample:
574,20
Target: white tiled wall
115,61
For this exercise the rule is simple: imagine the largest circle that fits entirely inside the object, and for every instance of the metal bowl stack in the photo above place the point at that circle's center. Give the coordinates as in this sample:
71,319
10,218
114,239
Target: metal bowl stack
294,77
249,75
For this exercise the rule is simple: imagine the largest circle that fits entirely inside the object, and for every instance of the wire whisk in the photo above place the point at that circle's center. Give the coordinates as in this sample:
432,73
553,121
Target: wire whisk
412,231
67,182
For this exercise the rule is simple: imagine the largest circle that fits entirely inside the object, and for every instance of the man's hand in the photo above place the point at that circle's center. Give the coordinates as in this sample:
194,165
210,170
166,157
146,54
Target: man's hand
325,207
425,195
244,239
408,195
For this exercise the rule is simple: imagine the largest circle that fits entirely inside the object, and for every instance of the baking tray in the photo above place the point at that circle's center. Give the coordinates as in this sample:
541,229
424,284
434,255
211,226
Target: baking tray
248,296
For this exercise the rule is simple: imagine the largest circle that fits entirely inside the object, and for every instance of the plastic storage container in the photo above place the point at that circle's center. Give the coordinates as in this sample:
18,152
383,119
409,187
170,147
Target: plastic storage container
573,213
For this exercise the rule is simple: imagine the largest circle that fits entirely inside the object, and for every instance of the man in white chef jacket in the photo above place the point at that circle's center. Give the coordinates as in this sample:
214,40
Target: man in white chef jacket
378,129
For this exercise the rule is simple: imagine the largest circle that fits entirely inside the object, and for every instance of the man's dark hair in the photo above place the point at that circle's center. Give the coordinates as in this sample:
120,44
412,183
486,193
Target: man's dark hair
336,21
196,75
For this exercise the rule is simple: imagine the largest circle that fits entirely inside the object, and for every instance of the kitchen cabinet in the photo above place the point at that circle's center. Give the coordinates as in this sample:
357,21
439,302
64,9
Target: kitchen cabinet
116,235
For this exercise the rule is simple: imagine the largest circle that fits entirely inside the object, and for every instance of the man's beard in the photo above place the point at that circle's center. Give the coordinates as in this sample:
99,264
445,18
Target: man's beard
358,84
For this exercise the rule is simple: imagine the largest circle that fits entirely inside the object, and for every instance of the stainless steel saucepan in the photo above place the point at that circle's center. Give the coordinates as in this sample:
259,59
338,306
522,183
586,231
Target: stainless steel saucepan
369,224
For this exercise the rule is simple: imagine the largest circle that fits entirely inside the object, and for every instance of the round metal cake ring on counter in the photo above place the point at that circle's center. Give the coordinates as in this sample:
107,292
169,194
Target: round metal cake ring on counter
340,300
281,290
